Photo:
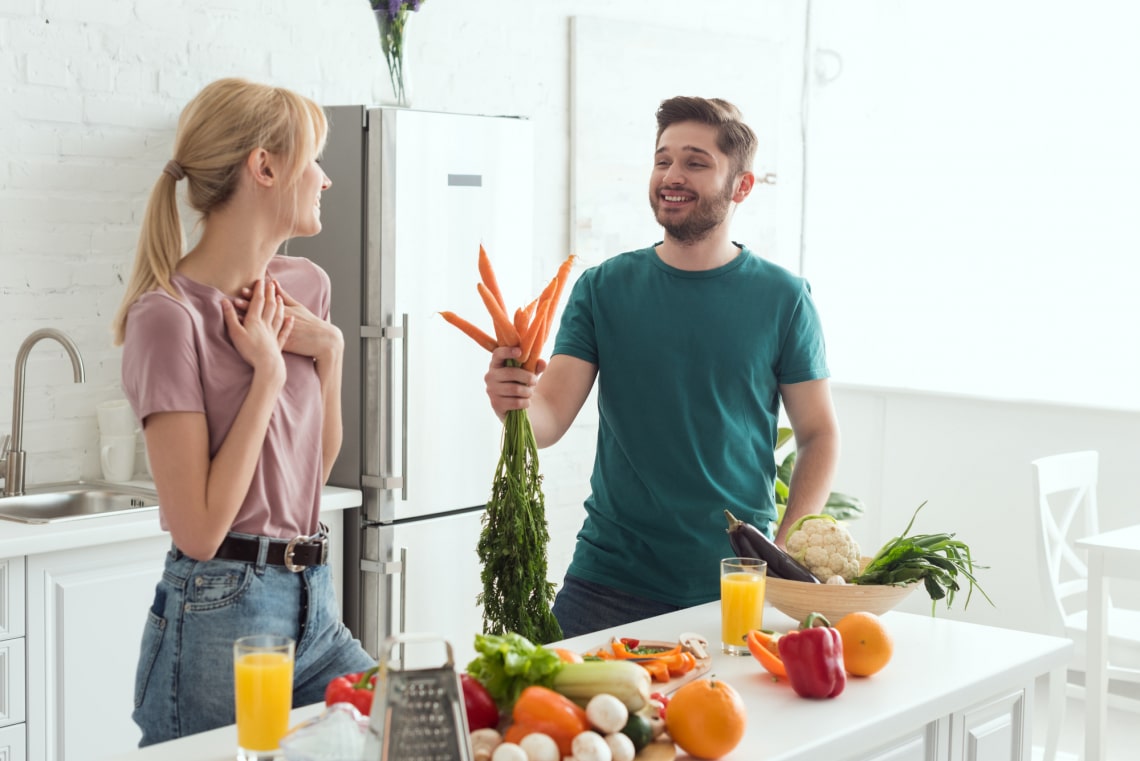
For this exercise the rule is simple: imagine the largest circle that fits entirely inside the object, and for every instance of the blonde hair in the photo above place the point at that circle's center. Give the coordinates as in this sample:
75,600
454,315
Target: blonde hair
217,131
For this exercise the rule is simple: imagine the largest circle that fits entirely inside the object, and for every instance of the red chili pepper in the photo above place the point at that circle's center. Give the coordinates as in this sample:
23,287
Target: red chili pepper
357,689
813,657
630,642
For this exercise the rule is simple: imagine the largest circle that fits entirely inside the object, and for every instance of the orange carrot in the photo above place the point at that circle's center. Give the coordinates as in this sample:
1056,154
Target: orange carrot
480,337
489,279
558,283
531,336
541,303
504,328
522,322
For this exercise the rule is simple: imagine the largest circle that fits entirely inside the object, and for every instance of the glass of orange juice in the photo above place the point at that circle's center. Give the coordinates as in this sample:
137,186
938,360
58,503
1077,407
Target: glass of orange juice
742,583
263,693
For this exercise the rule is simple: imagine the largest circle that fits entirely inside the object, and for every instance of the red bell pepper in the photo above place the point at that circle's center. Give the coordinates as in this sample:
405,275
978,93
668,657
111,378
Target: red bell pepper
357,689
478,705
813,657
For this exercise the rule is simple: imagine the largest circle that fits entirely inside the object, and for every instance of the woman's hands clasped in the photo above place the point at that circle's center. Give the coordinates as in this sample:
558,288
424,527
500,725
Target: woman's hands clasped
262,329
310,336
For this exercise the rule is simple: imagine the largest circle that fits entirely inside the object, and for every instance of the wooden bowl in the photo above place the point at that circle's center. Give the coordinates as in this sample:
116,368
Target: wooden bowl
797,599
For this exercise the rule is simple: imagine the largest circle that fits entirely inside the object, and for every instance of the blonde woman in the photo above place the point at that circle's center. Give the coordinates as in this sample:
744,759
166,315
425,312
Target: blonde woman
232,366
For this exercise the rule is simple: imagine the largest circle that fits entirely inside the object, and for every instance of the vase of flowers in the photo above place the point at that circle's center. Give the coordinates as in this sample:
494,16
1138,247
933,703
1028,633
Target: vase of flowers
392,19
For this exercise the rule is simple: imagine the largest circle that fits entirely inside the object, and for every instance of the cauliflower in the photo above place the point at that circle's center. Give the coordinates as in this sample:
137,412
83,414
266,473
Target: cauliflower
824,546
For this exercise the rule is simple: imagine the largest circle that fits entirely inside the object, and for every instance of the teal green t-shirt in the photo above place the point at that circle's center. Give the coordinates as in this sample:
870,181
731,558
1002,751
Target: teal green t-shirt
689,365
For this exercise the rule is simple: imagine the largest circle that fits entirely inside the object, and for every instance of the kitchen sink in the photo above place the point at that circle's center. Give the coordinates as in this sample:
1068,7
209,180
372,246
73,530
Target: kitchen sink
52,503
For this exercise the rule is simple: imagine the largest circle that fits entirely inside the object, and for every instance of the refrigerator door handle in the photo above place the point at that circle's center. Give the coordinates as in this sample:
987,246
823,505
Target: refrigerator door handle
393,333
389,568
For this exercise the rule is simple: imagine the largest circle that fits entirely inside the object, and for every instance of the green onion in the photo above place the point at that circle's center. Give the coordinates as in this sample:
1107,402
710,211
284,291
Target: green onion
937,560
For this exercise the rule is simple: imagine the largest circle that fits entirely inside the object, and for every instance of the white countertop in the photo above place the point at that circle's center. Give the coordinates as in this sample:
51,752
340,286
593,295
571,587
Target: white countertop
33,538
939,666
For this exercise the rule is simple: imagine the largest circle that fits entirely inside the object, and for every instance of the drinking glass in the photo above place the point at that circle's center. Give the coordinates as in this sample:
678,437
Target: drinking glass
742,584
263,694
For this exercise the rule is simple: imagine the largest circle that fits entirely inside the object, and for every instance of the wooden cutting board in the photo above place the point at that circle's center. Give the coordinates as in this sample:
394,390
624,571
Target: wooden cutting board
661,749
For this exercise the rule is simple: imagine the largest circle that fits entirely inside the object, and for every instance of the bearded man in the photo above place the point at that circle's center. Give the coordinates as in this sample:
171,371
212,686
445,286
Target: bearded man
694,342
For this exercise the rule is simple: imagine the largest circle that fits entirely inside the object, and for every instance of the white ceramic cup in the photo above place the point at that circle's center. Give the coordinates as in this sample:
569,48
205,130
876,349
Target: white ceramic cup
116,418
117,455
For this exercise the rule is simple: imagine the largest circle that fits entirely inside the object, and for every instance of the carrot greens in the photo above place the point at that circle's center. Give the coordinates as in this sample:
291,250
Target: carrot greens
516,596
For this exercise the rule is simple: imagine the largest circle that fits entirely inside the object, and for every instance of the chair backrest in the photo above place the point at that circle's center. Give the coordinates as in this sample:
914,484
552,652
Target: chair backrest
1065,490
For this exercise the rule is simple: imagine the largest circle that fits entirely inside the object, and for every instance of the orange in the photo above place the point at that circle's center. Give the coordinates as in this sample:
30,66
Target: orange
867,645
706,718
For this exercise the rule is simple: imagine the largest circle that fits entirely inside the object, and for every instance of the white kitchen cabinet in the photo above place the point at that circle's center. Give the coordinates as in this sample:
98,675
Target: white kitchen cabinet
11,598
86,610
994,730
13,744
926,744
13,681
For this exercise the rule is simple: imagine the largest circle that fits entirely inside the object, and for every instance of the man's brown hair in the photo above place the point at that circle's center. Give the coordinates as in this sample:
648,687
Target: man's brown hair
734,138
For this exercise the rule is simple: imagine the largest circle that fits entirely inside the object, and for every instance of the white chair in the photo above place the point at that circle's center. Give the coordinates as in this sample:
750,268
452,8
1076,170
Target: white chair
1065,491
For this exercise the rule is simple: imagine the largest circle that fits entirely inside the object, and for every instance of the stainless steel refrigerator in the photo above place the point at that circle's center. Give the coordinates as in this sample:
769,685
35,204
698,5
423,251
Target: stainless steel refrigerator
413,195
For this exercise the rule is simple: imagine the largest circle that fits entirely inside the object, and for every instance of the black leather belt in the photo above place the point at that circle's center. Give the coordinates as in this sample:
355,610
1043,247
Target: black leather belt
296,554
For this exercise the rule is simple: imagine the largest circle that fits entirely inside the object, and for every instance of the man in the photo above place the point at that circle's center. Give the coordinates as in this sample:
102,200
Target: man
694,343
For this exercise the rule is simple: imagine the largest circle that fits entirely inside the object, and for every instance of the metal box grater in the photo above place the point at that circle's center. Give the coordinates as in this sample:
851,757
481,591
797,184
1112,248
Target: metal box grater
417,715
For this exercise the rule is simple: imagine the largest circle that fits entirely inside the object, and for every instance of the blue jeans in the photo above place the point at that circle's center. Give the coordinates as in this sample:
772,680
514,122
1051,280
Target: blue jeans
582,607
184,681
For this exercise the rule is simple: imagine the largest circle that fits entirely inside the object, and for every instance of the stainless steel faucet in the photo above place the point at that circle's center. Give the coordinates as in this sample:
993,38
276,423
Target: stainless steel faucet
11,449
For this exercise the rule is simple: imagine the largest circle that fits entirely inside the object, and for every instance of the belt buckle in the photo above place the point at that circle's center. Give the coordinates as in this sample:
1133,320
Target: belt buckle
291,549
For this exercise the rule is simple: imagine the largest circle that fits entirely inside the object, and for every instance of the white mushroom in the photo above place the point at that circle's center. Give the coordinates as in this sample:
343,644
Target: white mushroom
590,746
508,752
483,744
621,747
606,713
540,747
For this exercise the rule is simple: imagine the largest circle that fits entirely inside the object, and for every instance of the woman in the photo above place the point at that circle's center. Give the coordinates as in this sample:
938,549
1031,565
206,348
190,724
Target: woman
232,366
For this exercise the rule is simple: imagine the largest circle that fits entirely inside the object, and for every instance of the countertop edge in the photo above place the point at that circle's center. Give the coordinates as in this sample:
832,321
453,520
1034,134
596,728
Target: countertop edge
17,539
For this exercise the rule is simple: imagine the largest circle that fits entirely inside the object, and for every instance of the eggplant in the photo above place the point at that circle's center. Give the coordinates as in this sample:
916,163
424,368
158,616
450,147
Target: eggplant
750,542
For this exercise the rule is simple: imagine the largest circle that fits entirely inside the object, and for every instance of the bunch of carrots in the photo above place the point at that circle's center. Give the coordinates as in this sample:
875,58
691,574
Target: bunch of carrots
516,596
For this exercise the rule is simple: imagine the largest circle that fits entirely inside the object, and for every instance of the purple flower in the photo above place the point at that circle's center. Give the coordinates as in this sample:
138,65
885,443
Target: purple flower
394,7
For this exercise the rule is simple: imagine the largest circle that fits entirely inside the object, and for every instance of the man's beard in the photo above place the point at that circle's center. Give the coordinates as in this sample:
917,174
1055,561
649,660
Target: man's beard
700,220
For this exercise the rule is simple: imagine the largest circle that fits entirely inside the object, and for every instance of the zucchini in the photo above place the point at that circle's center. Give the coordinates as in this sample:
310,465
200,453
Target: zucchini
625,680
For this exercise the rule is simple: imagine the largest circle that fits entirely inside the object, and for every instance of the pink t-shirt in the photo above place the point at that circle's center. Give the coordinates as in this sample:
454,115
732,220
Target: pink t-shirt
178,357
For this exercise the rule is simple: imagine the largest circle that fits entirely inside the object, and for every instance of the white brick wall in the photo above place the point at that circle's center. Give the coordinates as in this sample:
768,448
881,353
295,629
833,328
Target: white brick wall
89,95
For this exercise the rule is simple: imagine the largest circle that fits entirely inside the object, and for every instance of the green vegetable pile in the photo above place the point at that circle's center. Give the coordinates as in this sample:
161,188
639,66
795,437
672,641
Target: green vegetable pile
516,596
935,559
509,663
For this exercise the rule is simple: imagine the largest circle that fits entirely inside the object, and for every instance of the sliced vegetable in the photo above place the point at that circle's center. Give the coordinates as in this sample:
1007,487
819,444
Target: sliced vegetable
764,648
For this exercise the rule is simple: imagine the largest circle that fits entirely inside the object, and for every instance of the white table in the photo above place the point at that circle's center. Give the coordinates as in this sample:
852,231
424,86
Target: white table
1113,553
953,691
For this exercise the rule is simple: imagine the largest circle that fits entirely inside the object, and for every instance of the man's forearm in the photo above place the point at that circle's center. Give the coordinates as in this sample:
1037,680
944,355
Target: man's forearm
816,461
